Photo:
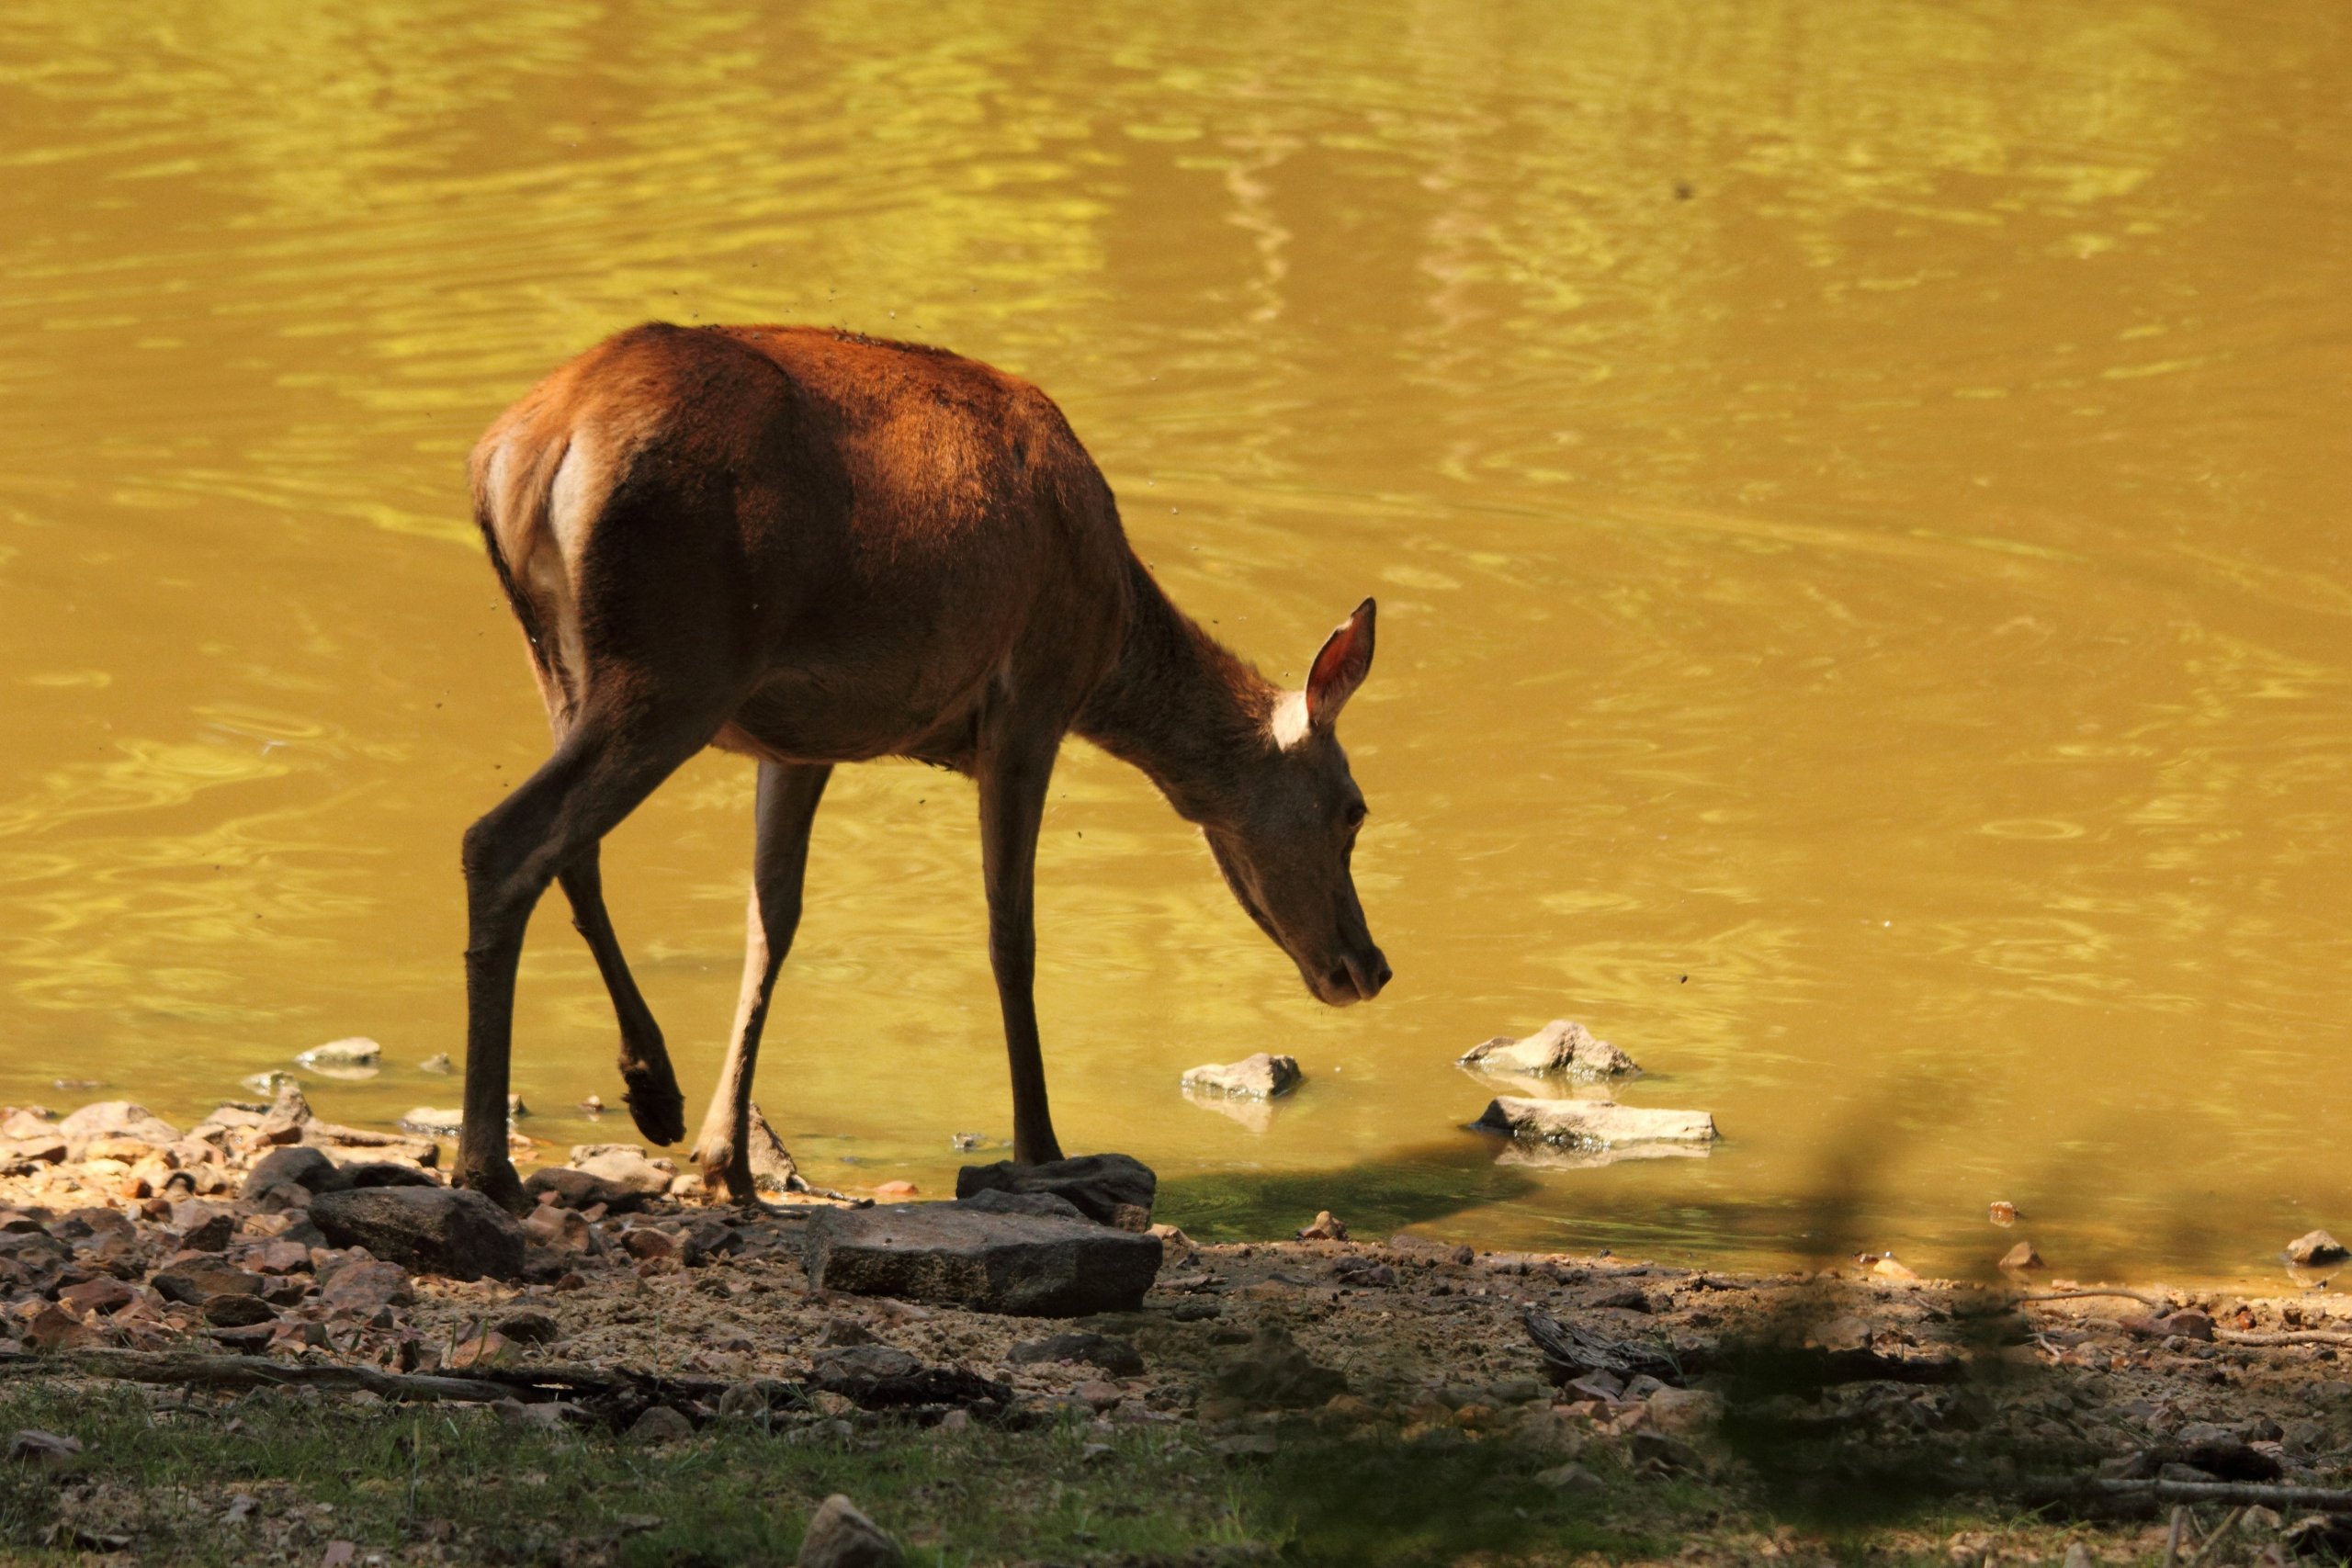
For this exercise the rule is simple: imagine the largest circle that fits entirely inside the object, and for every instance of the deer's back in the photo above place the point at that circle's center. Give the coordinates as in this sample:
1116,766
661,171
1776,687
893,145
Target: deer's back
864,540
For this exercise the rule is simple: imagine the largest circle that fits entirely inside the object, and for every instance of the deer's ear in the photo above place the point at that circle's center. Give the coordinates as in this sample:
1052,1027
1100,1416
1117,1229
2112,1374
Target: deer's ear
1339,669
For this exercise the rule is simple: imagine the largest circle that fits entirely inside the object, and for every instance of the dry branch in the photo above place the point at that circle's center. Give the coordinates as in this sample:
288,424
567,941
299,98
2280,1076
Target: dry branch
2284,1337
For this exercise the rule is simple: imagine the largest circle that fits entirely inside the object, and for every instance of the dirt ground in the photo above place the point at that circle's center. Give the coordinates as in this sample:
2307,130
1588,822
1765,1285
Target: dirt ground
1856,1392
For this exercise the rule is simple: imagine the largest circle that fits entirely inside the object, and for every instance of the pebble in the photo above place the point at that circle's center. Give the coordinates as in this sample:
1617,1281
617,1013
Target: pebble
840,1536
1327,1227
660,1424
2023,1256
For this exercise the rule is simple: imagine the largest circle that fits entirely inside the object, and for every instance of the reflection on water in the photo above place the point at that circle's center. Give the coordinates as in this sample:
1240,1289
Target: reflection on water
1856,504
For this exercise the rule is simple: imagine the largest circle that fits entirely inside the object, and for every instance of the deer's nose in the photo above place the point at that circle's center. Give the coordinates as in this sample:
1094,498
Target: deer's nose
1365,976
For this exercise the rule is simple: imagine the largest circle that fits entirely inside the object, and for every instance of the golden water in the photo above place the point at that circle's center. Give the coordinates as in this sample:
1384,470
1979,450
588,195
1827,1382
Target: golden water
1856,494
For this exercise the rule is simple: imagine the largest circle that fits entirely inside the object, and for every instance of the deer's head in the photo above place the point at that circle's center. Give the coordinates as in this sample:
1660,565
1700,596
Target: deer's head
1284,836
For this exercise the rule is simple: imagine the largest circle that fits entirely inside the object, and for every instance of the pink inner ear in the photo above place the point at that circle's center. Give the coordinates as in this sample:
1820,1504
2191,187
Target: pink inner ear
1339,670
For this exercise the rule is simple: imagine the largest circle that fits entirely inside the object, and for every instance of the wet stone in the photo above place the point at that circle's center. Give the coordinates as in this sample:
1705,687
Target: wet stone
1261,1077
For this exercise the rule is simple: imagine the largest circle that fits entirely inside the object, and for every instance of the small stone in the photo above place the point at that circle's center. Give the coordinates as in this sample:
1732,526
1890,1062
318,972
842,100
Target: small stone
579,1189
840,1536
290,1113
196,1283
1571,1479
624,1165
208,1230
1273,1371
426,1122
2004,1213
773,1170
37,1450
964,1143
896,1192
2316,1248
1327,1227
446,1230
357,1051
1684,1411
660,1424
54,1329
365,1285
645,1243
481,1351
1117,1356
529,1328
438,1064
565,1230
102,1295
237,1312
2023,1256
592,1105
1130,1217
286,1177
1261,1077
1559,1047
1888,1267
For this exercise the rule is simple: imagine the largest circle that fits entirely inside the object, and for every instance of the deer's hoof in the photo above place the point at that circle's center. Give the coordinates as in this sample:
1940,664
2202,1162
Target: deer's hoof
655,1104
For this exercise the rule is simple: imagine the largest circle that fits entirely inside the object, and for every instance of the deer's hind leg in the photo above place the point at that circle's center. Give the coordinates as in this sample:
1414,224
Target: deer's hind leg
607,763
788,794
655,1103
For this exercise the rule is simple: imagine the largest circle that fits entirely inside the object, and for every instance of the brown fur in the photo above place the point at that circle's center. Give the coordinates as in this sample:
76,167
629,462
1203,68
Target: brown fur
815,548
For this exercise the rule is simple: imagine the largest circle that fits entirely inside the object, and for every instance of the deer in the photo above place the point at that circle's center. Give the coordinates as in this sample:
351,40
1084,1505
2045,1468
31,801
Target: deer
814,547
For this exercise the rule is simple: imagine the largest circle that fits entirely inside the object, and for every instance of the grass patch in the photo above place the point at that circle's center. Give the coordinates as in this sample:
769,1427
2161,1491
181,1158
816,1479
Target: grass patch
460,1484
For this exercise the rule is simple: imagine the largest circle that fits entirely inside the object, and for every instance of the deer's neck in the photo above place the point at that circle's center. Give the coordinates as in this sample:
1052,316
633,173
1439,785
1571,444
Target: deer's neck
1177,703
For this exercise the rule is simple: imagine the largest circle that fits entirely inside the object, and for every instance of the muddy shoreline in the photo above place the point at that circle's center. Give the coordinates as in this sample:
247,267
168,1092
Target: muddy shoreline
115,1238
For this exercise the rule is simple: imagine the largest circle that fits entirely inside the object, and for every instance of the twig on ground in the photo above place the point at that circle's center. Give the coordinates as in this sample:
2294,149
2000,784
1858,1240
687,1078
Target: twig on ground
2172,1536
2141,1296
2284,1337
2214,1540
2247,1493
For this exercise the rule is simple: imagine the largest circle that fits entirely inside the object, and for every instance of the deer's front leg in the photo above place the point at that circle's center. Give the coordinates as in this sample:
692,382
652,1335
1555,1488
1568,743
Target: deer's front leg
654,1103
788,794
1014,769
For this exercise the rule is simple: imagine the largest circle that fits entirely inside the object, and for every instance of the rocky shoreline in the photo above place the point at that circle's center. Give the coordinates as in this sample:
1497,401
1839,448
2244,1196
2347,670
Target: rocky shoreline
131,1251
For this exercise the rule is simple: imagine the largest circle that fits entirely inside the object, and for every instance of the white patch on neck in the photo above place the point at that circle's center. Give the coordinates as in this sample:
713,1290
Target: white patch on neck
1289,724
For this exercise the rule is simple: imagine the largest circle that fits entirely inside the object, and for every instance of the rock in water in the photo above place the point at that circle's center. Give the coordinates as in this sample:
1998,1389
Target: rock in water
439,1230
439,1063
426,1122
1098,1184
2316,1248
773,1170
1025,1265
1559,1047
840,1536
1261,1077
1600,1122
2023,1256
357,1051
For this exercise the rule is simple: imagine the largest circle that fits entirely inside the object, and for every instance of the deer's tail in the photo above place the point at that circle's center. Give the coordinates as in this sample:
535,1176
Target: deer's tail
517,469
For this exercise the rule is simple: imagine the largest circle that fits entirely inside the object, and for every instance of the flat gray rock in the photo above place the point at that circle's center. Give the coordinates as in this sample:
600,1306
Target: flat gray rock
1261,1077
439,1230
1024,1265
1595,1124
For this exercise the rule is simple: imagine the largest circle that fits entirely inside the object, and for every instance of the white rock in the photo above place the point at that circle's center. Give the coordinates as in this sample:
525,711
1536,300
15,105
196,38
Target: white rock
426,1122
1261,1077
1600,1122
1559,1047
344,1056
